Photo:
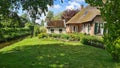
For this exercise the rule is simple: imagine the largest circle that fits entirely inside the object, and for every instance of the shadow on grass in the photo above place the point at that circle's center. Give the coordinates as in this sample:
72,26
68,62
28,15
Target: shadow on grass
56,56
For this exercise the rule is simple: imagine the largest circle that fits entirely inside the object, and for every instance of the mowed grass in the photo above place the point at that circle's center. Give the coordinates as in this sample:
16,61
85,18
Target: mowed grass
49,53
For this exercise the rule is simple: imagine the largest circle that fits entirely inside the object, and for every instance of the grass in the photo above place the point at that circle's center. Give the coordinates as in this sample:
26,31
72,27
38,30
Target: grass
49,53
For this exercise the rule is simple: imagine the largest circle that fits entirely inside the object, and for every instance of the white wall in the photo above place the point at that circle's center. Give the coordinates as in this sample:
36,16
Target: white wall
56,30
85,29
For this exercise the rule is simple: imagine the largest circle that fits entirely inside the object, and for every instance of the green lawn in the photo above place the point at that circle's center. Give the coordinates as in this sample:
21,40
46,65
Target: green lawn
42,53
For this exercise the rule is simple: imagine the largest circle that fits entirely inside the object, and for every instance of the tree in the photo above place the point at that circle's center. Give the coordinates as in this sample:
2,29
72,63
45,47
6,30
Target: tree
57,16
42,22
68,14
24,18
110,11
33,7
10,21
49,16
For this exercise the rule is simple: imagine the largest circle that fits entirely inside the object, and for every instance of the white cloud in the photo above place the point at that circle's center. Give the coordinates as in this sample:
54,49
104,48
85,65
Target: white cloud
57,6
79,0
73,5
42,17
38,21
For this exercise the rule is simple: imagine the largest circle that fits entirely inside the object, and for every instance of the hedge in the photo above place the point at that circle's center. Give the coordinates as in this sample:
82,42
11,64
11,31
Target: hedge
85,39
11,33
93,41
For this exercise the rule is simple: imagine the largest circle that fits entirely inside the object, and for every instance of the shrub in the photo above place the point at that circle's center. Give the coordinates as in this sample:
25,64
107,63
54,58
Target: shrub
74,37
64,36
55,35
42,30
93,41
85,39
114,49
42,35
10,33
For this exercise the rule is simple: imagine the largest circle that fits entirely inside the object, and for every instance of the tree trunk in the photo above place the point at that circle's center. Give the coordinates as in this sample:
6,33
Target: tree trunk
33,30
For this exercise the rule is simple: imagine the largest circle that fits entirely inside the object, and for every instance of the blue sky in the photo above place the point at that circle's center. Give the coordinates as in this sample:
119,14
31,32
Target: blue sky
60,7
67,4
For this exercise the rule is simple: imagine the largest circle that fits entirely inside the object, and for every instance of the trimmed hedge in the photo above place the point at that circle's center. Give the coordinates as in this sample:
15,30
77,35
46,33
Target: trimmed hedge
93,41
11,33
85,39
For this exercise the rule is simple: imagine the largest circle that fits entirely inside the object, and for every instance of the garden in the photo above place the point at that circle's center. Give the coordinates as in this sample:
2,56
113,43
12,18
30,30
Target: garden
52,53
38,49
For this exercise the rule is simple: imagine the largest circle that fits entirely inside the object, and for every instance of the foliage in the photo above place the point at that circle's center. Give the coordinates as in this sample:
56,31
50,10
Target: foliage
11,33
28,25
57,16
42,35
93,41
110,11
34,8
42,22
114,49
49,16
85,39
24,18
9,8
13,21
43,30
30,5
68,14
65,36
37,53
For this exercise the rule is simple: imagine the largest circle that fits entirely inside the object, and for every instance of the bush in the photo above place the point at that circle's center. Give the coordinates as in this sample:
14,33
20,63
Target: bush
64,36
42,30
42,35
85,39
114,49
11,33
93,41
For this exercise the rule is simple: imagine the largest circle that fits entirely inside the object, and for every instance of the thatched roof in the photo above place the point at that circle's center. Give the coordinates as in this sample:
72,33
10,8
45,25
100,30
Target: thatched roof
85,15
56,24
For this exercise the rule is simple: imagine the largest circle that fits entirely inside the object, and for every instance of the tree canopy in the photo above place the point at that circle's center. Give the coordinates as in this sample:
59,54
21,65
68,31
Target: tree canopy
68,14
110,11
33,7
49,16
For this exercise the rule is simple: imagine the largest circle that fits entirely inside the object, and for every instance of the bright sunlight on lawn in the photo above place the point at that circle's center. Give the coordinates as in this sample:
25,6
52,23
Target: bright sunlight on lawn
48,53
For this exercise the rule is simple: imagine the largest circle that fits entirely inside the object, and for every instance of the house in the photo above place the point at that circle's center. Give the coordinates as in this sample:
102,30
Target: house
88,21
56,26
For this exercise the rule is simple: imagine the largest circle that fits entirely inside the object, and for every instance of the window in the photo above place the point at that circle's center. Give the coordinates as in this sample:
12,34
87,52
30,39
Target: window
98,27
60,30
74,29
88,28
52,30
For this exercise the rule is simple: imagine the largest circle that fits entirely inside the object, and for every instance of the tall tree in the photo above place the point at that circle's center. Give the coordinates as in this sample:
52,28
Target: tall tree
68,14
57,16
110,11
24,18
42,22
49,16
32,7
